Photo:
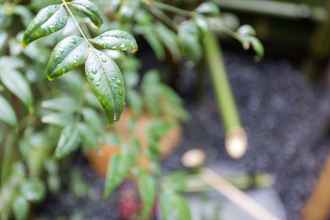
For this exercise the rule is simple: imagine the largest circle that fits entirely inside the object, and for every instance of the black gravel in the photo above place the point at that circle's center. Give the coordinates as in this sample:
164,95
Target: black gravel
286,122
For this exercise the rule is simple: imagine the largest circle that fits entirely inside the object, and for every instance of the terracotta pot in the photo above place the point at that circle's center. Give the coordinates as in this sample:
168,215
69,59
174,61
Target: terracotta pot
99,158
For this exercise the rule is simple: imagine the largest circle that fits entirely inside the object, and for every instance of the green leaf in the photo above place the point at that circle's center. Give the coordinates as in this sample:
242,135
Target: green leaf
16,83
62,104
33,190
88,136
181,207
119,167
169,39
147,189
88,9
152,38
189,40
69,141
116,40
21,208
49,20
92,118
69,54
7,114
107,83
60,119
208,8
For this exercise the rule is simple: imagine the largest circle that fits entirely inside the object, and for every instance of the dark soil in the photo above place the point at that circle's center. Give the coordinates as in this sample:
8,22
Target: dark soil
286,122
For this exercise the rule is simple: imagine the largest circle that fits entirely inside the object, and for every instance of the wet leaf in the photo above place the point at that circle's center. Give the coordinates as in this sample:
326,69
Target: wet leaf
116,40
107,83
88,9
69,54
7,113
55,118
49,20
69,141
17,84
33,190
21,208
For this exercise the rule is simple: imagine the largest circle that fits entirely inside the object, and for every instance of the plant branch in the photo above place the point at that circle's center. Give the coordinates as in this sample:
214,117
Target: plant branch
75,21
170,8
235,135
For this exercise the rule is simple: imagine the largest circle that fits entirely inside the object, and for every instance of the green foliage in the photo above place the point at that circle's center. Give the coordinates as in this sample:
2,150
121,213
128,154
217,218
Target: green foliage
43,122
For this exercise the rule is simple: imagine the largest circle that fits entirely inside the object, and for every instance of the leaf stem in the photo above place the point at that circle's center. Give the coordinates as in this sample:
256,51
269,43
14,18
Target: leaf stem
76,22
171,8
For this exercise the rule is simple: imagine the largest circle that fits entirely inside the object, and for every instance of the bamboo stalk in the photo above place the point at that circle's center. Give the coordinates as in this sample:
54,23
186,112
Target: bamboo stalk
238,197
276,9
236,140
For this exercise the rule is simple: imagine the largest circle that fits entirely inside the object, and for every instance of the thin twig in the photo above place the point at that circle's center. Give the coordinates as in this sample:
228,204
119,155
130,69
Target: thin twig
236,196
75,21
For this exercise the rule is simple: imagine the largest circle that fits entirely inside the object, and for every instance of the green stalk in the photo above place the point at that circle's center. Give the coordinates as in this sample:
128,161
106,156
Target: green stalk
235,134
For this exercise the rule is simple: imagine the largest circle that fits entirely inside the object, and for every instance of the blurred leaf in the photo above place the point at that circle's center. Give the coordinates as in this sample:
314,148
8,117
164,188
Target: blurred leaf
21,208
24,13
116,40
147,189
49,20
88,135
119,167
128,8
189,39
33,190
92,118
169,39
88,9
69,141
107,83
69,54
208,8
135,101
152,38
18,85
60,119
246,30
62,104
181,207
7,114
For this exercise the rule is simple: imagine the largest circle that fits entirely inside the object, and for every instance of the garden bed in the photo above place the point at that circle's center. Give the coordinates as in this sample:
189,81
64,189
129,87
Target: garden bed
287,125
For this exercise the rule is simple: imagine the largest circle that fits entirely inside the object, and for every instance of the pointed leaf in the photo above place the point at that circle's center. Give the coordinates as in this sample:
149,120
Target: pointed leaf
107,83
21,208
89,9
116,40
7,114
16,83
69,141
69,54
49,20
